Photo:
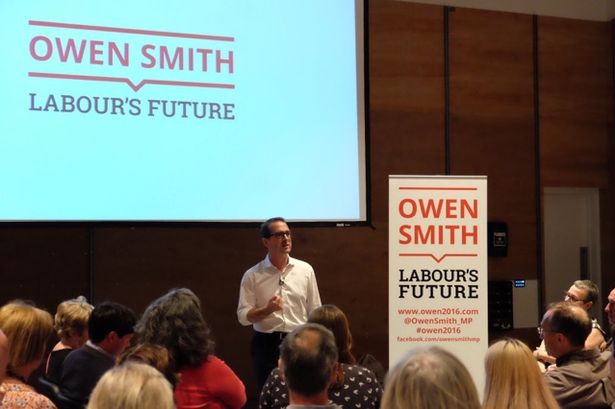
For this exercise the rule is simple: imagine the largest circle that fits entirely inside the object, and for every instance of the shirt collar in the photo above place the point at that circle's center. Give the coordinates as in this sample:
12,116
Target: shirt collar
267,263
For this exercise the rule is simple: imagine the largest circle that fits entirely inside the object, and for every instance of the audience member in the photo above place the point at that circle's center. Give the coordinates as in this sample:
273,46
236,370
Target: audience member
512,379
308,359
176,322
354,386
132,385
583,293
430,378
153,355
28,330
71,325
581,377
110,329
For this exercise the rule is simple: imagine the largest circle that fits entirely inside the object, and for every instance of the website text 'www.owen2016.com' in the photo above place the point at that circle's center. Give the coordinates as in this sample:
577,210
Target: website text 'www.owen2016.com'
443,324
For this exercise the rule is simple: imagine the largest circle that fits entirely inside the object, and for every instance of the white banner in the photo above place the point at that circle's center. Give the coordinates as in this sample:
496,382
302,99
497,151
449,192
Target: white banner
438,267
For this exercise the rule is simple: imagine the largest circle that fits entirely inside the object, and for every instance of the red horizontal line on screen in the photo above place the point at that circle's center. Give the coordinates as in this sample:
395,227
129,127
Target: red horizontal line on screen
438,259
135,87
130,31
437,188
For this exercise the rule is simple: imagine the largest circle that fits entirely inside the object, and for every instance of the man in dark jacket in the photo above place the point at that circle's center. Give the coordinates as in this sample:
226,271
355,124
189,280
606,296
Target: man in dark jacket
110,328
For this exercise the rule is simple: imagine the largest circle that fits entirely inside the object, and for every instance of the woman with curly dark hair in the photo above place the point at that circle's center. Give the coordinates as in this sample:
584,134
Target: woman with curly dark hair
175,321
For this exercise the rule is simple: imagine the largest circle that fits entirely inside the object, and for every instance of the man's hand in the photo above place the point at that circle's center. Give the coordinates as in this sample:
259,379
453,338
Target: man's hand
275,304
542,356
258,314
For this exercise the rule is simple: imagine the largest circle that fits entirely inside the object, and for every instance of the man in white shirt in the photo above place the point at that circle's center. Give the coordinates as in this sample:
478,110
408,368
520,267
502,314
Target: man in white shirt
276,296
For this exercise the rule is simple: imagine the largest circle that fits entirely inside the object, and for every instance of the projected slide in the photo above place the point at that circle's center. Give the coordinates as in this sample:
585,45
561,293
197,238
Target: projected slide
182,111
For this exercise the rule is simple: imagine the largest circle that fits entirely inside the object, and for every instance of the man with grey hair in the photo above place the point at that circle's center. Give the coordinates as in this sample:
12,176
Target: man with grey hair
308,360
581,378
583,293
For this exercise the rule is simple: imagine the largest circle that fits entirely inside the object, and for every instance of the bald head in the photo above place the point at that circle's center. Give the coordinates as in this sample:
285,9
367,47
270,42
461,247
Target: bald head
4,355
308,356
571,321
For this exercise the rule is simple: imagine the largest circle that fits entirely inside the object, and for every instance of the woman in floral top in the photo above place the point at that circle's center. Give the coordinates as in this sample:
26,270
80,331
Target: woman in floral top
355,386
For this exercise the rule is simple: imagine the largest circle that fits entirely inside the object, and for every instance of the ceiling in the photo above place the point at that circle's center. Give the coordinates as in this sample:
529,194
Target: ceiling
597,10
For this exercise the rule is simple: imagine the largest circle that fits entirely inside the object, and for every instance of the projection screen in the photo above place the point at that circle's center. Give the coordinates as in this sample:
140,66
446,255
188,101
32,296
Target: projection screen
213,111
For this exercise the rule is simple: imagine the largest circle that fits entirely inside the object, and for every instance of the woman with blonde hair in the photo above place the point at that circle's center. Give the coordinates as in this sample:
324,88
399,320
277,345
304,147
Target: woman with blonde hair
430,378
71,325
28,330
514,381
132,385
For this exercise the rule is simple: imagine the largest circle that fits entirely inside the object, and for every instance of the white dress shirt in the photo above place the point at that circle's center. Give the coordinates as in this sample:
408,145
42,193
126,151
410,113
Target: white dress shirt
297,286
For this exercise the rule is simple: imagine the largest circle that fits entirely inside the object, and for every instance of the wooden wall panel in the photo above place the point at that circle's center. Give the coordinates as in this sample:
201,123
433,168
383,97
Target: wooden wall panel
607,230
607,208
135,266
576,101
407,94
492,125
43,264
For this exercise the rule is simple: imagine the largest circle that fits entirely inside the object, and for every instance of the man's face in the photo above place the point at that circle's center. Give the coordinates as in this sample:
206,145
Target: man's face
610,307
4,355
577,296
280,241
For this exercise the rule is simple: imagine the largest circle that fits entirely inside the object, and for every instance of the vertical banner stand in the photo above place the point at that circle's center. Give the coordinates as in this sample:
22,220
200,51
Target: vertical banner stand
438,267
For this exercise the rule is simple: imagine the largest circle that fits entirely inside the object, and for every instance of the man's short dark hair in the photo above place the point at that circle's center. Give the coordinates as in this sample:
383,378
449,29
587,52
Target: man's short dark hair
570,320
265,231
590,287
309,356
110,316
